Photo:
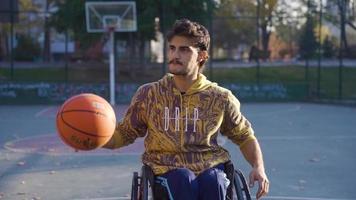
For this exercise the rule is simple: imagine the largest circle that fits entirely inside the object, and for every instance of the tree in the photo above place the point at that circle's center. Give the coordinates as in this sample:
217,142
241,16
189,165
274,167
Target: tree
308,42
71,17
197,10
288,20
233,25
328,48
27,49
342,13
22,25
265,11
47,30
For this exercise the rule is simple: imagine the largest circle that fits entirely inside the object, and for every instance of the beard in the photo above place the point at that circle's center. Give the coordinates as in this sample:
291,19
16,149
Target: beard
180,70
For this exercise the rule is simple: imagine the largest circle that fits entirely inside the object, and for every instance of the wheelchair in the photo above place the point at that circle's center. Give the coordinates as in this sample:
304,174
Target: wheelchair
145,184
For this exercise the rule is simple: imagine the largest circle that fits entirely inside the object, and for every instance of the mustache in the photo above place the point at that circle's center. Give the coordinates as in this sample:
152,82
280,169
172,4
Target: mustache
174,61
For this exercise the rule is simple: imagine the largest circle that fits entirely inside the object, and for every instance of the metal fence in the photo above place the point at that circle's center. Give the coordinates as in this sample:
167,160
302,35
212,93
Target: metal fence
258,55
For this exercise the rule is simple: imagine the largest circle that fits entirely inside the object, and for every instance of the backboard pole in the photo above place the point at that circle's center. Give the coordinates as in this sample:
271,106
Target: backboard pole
112,69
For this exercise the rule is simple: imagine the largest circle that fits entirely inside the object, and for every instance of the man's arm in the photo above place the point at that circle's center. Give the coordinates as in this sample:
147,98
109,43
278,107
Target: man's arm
110,144
133,125
238,129
253,154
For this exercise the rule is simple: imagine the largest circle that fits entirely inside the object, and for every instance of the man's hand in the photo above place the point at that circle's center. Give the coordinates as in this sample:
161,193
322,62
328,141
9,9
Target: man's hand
258,174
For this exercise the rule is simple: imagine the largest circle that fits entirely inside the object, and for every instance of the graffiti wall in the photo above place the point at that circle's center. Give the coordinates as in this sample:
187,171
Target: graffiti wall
56,93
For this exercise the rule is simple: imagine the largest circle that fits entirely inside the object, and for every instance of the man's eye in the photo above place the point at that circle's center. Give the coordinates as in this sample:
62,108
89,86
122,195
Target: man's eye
185,49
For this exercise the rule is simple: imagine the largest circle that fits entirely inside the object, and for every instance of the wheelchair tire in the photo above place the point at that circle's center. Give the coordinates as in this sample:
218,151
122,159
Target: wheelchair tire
134,186
242,190
144,185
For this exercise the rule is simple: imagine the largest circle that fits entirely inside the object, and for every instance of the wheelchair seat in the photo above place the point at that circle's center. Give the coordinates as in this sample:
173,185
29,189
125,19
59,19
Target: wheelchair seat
146,183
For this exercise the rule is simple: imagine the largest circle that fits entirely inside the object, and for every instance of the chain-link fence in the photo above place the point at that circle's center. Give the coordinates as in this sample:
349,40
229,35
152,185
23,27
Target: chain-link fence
262,50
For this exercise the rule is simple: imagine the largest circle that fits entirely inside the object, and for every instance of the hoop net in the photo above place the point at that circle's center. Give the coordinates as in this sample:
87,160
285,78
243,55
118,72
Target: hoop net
111,22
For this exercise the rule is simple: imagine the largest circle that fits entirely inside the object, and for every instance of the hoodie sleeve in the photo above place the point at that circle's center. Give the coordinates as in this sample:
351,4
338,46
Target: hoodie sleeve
235,126
134,123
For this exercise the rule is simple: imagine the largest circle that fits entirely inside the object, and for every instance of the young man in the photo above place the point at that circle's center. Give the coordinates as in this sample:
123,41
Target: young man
181,116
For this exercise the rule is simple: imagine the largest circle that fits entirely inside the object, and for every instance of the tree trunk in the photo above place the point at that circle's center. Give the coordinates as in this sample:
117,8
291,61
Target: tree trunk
130,68
47,46
2,47
142,65
47,39
342,9
265,41
6,46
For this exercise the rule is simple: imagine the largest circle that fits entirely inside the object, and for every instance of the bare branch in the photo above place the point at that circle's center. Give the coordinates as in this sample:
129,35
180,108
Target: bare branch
353,26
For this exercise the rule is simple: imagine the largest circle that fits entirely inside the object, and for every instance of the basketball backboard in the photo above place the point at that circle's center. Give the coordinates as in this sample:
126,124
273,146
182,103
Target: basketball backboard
104,15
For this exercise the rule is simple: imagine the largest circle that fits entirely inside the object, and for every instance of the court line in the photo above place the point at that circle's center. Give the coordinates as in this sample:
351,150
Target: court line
44,111
222,140
319,137
295,108
267,197
302,198
69,151
107,198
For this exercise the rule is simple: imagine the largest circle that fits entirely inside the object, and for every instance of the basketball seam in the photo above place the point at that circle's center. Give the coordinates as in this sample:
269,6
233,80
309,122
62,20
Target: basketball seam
99,113
81,131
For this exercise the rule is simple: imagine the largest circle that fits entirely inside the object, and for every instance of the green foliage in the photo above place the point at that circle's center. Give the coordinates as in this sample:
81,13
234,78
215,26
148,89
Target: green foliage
328,48
71,17
27,49
197,10
146,14
233,31
308,42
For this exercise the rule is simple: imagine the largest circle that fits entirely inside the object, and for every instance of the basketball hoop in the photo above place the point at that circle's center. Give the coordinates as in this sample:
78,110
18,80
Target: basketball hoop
109,17
102,14
111,23
111,29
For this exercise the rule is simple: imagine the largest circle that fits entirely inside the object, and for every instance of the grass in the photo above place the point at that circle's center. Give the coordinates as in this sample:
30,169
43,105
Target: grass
329,84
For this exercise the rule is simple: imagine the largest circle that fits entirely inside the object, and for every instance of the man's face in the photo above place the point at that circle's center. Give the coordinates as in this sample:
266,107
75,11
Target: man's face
183,57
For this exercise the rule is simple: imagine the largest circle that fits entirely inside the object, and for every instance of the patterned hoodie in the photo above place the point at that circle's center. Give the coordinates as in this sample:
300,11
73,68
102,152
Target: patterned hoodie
181,129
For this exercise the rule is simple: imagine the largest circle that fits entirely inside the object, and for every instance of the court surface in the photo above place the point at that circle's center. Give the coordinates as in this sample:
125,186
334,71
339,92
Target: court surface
309,152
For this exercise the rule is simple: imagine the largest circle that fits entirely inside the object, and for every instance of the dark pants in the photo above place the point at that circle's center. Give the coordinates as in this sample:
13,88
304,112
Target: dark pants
182,184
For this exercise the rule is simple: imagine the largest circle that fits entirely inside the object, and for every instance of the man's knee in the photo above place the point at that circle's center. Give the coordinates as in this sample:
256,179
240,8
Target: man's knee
212,177
185,173
181,184
213,184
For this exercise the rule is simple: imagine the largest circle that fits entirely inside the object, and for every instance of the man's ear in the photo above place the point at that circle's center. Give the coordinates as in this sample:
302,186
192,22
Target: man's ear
202,56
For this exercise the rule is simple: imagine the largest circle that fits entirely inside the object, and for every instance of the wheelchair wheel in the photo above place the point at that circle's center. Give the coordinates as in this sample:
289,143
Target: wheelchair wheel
241,188
144,186
134,186
147,183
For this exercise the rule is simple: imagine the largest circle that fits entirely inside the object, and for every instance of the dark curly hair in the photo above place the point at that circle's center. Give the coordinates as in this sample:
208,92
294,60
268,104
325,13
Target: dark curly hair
193,30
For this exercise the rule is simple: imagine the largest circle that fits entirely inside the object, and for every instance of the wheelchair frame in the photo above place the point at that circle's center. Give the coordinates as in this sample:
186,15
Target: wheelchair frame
237,189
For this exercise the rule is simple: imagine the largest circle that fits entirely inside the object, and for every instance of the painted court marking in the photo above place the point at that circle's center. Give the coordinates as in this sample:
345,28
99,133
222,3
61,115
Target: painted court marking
49,111
268,197
302,198
51,144
268,113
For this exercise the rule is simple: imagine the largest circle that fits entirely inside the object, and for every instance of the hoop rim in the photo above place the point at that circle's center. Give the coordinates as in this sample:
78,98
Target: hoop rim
127,15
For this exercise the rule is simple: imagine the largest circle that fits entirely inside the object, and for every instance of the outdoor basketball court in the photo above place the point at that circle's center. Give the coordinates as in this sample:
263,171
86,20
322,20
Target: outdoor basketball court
308,149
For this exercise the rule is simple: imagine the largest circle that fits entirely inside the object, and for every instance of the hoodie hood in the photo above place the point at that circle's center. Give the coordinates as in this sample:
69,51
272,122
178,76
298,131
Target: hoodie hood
200,84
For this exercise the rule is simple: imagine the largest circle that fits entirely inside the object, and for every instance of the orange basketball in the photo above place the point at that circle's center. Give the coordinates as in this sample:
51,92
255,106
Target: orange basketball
86,122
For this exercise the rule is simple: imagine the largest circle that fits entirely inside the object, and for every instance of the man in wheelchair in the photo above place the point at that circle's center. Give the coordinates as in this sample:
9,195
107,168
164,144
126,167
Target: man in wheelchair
180,117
